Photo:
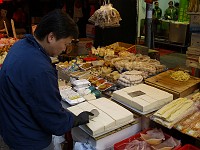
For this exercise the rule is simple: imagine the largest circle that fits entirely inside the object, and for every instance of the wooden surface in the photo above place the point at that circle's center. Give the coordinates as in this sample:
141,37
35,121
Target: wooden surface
164,82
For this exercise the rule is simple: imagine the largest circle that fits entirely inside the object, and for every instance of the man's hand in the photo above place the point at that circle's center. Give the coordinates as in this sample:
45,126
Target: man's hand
82,118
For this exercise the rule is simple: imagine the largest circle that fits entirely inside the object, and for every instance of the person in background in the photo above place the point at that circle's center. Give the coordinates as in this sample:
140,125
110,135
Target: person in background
170,12
30,101
20,18
176,6
157,12
3,17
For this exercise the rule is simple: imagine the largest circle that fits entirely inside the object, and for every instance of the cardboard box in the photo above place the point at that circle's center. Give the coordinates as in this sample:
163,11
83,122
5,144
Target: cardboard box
84,46
129,47
194,22
195,19
195,40
90,30
140,49
136,49
80,48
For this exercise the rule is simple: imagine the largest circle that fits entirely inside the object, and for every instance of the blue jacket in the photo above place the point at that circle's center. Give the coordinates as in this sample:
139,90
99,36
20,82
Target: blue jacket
30,108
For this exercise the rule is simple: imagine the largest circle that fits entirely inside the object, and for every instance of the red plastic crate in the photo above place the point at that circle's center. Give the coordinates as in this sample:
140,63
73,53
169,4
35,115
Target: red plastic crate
189,147
122,144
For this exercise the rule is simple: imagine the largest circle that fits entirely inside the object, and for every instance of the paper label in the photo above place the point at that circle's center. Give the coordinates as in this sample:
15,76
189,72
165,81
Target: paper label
136,93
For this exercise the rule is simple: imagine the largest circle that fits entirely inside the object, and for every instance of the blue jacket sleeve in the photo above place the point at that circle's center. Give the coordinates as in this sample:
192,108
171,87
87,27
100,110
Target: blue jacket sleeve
45,106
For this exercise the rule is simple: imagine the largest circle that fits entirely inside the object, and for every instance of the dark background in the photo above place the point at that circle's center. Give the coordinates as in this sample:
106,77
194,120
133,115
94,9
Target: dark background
38,8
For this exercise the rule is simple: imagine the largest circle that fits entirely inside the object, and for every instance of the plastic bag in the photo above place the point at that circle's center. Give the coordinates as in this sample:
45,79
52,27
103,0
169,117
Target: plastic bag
57,140
83,146
106,16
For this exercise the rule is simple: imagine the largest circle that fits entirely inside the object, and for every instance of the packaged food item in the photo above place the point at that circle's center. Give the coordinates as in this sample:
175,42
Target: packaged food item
81,83
105,86
86,66
99,82
92,79
71,97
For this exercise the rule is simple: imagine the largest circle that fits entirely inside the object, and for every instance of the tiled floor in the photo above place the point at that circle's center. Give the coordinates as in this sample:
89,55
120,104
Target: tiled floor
174,60
171,60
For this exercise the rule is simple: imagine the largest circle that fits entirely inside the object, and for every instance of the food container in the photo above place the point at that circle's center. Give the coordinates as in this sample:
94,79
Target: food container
105,86
79,74
86,66
99,82
71,97
93,79
81,83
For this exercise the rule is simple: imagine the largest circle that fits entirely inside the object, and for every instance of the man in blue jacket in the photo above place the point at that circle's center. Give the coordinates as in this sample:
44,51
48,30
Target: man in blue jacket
30,108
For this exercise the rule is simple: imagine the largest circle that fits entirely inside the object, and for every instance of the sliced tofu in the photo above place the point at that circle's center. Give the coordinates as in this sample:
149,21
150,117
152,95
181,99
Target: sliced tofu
111,115
75,110
115,111
150,98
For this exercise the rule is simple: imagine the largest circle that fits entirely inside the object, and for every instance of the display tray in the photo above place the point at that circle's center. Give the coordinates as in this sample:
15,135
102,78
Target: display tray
136,110
164,82
122,144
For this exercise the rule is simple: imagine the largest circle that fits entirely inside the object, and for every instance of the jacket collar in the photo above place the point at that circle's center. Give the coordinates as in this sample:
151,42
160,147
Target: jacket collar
31,39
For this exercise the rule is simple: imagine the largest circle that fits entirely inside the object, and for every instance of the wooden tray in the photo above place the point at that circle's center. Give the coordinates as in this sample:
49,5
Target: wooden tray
164,82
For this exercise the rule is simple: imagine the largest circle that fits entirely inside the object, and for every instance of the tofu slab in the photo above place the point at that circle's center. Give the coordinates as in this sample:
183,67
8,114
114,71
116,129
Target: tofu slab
115,111
111,116
151,98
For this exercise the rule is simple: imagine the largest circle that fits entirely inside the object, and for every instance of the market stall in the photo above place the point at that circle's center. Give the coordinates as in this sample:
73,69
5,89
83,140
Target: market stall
128,90
123,76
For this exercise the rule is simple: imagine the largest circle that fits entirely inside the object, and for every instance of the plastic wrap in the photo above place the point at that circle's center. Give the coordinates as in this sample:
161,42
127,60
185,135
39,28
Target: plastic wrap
106,17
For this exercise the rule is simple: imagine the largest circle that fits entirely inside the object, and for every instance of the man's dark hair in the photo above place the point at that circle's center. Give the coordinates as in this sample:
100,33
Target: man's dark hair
58,22
156,3
170,2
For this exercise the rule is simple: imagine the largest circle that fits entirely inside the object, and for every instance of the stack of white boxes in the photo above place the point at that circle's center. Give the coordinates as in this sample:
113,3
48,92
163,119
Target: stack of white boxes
193,52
